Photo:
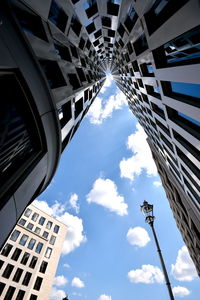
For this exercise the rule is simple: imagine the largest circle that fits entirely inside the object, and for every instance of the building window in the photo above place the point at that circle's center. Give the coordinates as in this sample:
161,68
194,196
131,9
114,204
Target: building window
41,220
25,258
112,8
38,283
37,230
27,278
39,247
17,275
20,295
2,286
23,239
8,271
28,212
140,45
43,266
16,254
78,110
10,293
52,240
1,263
33,297
56,228
48,252
31,244
35,216
160,12
15,235
22,222
30,226
49,225
6,250
33,262
76,25
73,80
57,16
53,73
185,92
45,234
183,50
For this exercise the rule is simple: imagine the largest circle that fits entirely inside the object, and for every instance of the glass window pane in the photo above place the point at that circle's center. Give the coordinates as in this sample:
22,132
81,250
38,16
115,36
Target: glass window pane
41,220
29,226
31,243
22,222
23,239
49,225
37,230
25,258
52,240
16,254
6,250
28,212
17,275
33,262
56,228
45,234
48,252
35,217
15,235
43,266
39,248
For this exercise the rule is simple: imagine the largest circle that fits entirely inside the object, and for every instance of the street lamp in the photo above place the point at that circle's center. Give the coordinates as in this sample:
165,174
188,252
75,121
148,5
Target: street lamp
147,210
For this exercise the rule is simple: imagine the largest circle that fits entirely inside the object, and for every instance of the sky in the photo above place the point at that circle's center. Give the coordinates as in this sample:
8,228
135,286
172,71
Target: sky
105,174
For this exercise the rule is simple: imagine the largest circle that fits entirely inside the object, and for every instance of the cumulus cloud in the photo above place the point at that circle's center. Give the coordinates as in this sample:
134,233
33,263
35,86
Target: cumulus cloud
138,236
66,266
74,203
57,294
105,297
101,110
107,83
157,183
75,235
104,192
147,274
184,269
77,282
60,280
141,158
180,291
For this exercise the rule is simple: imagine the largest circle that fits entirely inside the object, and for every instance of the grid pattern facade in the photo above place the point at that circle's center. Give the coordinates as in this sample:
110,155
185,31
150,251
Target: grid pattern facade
29,259
155,63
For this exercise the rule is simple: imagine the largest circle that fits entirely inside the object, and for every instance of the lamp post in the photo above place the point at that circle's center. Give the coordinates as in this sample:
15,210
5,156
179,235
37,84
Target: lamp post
147,210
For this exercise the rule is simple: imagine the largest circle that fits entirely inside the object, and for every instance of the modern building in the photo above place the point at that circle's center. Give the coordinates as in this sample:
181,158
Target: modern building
55,53
29,259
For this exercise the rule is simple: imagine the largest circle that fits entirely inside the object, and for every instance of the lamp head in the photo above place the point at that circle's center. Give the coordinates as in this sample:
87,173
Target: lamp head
147,210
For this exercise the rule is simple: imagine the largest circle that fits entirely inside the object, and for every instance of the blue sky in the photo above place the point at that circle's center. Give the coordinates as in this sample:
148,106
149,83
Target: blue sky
104,176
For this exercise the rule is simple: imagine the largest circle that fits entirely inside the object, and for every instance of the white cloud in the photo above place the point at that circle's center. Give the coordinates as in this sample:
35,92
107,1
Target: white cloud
105,297
147,274
104,193
157,183
141,159
138,236
66,266
60,280
75,235
184,269
74,203
107,83
57,294
180,291
77,282
101,110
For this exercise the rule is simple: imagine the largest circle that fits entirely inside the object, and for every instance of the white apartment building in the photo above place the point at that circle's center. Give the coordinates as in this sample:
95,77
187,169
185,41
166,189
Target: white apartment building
29,259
